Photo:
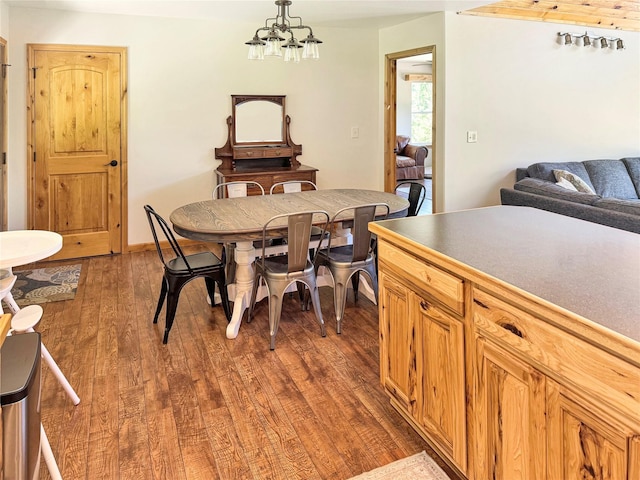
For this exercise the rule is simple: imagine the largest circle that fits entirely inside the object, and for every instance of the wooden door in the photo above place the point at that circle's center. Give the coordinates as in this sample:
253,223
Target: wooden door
78,157
510,415
3,135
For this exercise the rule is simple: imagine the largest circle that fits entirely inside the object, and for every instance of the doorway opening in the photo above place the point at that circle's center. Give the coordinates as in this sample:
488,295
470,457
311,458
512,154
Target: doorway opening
410,113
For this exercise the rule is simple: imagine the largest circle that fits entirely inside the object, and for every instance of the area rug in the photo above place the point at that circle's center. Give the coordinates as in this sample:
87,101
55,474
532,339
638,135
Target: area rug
417,467
43,285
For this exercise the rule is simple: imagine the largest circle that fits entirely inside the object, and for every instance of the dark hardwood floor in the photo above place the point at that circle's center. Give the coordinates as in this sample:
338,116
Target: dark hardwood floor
203,406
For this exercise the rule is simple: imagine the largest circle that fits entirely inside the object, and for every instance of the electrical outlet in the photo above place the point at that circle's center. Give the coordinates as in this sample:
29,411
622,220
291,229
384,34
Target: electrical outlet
355,132
472,136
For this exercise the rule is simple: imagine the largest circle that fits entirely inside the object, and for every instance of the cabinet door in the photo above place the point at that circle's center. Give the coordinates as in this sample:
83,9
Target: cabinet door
584,442
397,346
510,416
441,379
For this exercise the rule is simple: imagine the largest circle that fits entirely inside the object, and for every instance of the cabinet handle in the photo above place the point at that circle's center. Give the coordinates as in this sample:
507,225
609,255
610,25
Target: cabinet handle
249,154
513,329
424,305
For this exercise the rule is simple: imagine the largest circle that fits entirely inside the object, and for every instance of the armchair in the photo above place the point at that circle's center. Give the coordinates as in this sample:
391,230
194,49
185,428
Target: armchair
409,159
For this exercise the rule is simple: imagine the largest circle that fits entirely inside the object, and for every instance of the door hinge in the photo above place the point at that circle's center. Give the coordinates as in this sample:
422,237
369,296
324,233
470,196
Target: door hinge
34,71
34,156
4,158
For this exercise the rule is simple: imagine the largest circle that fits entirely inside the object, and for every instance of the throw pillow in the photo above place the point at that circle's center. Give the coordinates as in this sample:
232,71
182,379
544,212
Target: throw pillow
563,182
575,180
401,142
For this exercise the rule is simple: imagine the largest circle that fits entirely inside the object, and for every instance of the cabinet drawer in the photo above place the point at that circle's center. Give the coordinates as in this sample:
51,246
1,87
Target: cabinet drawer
443,286
570,360
241,153
277,152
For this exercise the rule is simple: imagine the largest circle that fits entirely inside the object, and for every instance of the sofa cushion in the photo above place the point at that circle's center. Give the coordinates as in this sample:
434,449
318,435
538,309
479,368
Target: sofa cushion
544,171
402,161
579,184
610,178
632,207
633,167
542,187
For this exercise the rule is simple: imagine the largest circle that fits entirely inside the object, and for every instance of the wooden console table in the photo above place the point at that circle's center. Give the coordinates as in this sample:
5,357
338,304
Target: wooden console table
266,176
510,340
259,146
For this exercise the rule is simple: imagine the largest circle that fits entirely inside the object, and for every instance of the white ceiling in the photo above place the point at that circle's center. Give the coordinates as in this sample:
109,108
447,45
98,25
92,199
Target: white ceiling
331,13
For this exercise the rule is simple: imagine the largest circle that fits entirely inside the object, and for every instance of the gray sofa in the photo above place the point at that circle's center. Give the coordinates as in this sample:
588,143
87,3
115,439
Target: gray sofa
615,200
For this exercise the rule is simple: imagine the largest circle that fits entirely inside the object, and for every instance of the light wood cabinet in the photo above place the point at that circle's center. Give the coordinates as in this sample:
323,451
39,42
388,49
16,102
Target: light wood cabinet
510,416
588,441
503,385
422,357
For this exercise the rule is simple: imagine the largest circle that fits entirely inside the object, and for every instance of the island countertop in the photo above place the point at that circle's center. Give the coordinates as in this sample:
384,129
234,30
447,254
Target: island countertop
587,269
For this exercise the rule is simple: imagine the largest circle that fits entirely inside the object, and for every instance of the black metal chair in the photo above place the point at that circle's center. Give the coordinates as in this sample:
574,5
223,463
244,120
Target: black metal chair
181,270
347,261
280,271
417,194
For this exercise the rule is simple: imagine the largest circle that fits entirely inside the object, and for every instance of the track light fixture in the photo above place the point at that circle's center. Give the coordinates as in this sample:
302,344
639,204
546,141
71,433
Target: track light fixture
567,38
270,44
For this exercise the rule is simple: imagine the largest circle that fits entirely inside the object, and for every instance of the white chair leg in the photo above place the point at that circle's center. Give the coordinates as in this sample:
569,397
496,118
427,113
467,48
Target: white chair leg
59,375
24,321
47,453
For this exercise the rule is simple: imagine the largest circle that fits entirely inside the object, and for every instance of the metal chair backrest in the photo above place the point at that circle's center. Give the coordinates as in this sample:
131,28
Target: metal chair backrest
154,218
292,186
417,194
235,189
298,235
362,215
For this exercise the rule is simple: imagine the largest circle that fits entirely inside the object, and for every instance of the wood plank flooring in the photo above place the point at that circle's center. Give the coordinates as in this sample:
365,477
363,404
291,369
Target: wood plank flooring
203,406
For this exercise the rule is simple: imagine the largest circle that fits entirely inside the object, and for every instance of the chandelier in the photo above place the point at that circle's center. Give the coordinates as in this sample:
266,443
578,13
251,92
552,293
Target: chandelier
273,44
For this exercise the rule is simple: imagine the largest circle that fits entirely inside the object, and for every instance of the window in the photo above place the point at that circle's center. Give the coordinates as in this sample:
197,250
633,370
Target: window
421,112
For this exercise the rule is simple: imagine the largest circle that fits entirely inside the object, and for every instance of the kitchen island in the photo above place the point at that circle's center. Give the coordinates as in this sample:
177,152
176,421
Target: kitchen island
510,340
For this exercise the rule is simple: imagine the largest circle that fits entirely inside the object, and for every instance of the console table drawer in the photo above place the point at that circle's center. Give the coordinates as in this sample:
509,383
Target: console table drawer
443,286
560,354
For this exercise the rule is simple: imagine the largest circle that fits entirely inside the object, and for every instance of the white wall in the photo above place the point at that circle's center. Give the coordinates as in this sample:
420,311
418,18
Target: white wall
529,98
422,32
181,75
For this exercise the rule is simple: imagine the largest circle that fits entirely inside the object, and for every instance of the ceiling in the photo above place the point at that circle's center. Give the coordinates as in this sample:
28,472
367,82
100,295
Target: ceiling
614,14
330,13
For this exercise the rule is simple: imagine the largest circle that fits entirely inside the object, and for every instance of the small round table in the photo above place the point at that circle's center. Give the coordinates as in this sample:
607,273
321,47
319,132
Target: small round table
19,247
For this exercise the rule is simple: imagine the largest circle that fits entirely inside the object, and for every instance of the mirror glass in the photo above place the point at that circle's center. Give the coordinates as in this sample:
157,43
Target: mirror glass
259,121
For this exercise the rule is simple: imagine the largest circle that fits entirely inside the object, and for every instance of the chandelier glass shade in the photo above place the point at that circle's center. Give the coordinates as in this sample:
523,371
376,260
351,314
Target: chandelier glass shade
269,41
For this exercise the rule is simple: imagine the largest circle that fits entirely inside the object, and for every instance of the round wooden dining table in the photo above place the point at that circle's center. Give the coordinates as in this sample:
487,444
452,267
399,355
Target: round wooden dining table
240,221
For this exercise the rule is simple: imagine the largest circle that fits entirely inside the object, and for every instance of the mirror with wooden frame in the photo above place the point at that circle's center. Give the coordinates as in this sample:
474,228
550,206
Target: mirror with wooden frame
258,120
258,134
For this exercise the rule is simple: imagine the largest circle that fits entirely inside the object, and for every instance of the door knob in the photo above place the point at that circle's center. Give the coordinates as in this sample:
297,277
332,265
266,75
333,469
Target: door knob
112,163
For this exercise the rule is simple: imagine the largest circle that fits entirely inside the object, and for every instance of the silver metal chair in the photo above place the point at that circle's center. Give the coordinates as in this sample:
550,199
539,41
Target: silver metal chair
345,262
278,272
417,194
292,186
234,190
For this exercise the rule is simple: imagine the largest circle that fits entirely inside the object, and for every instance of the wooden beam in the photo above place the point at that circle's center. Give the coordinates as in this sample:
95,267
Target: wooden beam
616,15
418,77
